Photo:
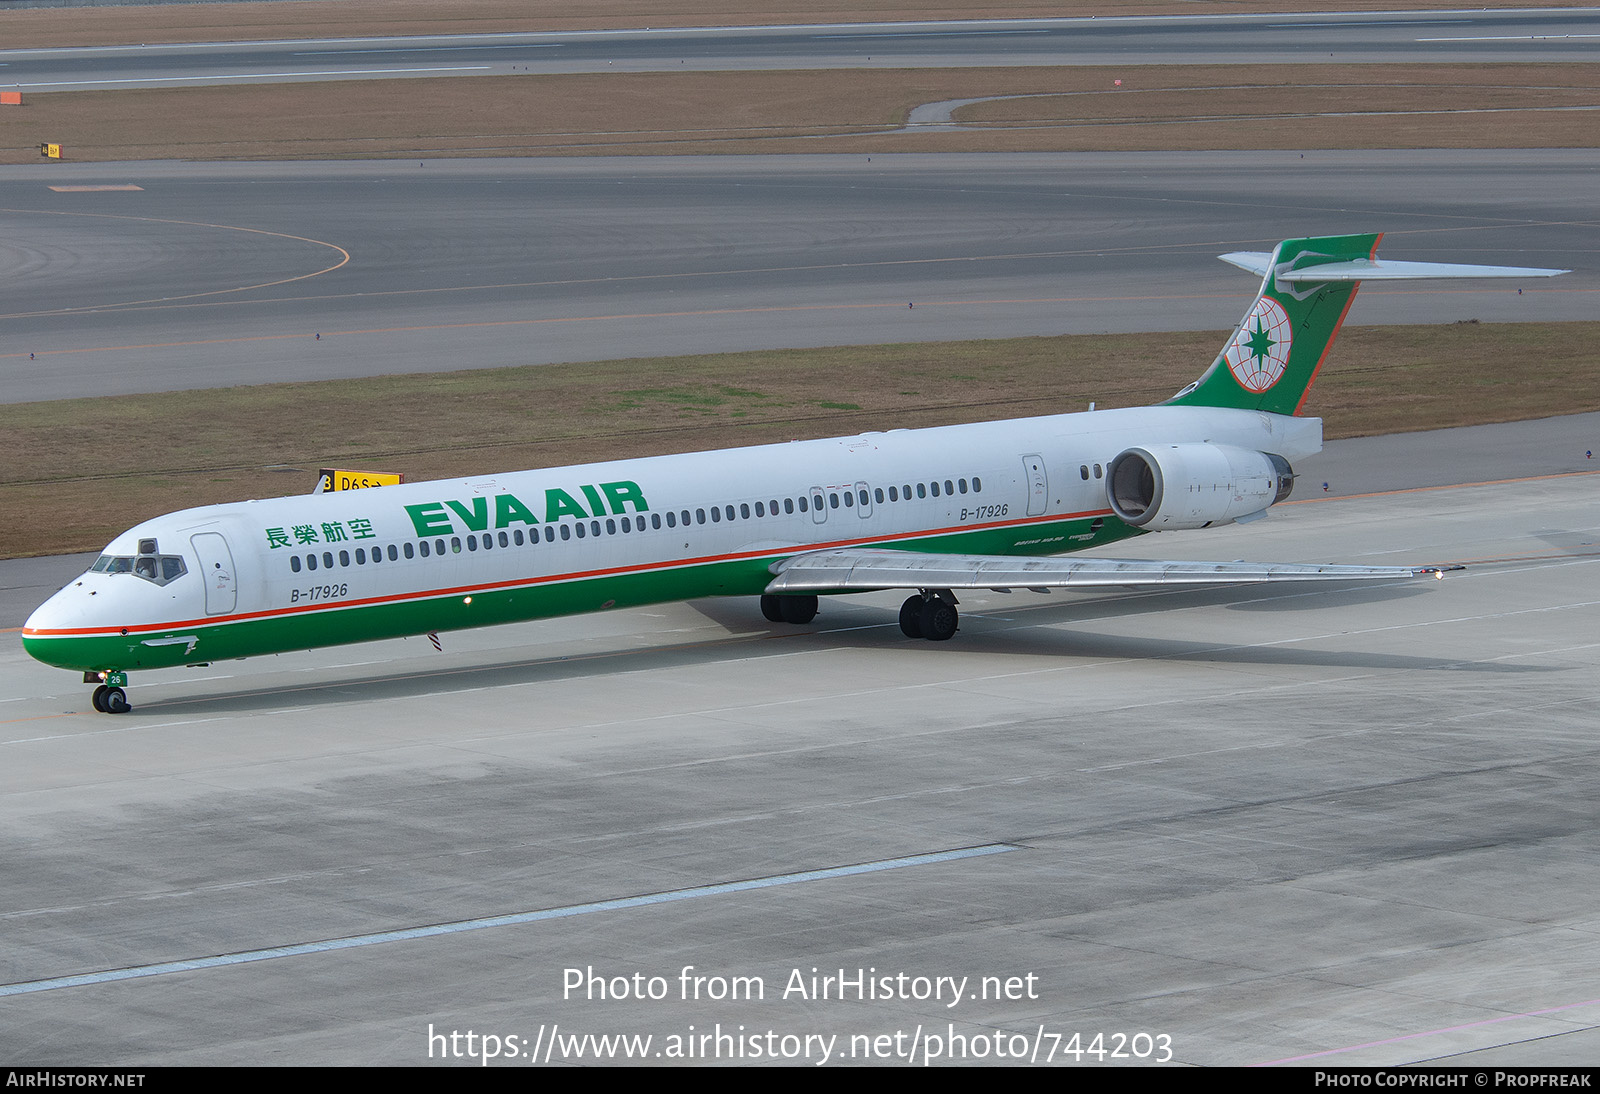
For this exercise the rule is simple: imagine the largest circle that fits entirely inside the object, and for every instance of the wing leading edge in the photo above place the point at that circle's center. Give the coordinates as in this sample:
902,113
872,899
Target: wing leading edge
838,570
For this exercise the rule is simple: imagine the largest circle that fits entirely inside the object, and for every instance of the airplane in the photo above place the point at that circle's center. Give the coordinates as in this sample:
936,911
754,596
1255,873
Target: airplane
990,505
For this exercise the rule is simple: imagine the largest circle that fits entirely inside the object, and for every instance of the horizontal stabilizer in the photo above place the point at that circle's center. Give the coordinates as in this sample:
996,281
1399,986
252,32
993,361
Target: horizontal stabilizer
1375,269
827,571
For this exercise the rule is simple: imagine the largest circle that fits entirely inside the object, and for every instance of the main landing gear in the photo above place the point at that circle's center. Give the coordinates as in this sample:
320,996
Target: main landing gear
109,698
930,614
788,609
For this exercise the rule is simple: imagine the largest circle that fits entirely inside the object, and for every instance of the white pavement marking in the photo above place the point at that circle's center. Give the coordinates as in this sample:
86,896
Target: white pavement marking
408,934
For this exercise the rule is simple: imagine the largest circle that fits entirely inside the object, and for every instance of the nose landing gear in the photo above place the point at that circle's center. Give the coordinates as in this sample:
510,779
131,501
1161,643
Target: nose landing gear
109,698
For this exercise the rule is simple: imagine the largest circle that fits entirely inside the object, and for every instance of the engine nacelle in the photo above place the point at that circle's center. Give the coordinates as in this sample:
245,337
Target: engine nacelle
1171,486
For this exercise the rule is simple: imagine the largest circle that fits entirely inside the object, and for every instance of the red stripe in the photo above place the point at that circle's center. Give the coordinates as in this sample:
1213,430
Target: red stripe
526,583
1305,392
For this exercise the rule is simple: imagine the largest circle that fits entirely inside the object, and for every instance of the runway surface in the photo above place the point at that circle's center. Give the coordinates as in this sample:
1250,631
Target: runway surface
1388,37
200,275
1338,827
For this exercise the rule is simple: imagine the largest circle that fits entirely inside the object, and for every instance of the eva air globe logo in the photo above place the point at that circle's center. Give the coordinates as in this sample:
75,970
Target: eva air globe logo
1258,353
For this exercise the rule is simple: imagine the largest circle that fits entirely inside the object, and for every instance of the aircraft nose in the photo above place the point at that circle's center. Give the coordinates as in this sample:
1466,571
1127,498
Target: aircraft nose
48,616
70,609
55,632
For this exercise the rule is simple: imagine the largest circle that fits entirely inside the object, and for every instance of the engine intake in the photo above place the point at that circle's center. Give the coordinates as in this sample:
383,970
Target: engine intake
1174,486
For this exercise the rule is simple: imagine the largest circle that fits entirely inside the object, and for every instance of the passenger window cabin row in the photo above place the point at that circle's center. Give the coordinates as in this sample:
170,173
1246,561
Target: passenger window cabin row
625,525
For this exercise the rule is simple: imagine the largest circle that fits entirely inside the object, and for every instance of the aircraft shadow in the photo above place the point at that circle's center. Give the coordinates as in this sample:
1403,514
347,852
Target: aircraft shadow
1047,629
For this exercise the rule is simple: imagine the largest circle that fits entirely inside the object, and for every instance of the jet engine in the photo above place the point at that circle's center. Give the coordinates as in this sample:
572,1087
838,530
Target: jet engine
1172,486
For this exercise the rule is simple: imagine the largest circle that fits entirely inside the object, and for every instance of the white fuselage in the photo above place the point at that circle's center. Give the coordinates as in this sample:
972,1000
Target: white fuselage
300,572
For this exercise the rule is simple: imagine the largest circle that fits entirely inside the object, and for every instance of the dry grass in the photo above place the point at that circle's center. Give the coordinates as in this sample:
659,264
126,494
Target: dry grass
1064,109
223,444
346,18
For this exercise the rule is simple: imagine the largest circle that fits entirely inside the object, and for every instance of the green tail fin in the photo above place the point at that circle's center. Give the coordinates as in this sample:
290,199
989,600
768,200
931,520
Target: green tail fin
1276,350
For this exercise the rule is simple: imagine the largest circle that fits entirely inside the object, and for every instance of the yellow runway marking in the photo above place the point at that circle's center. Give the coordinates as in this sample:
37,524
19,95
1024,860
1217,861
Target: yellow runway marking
326,334
1446,486
555,319
344,257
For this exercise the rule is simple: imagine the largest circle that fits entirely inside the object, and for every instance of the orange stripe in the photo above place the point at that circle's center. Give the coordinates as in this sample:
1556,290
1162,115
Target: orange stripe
526,583
1337,327
41,717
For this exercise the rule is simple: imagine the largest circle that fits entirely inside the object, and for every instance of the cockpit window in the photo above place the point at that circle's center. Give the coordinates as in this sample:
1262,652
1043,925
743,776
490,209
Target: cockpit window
149,563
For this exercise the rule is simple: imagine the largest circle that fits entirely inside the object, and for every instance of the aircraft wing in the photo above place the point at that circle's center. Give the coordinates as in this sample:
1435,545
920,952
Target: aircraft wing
831,571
